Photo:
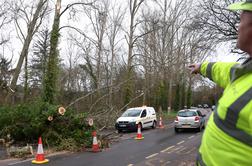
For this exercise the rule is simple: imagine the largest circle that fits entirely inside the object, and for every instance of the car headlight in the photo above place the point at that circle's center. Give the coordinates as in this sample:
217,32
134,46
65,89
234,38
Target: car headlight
132,121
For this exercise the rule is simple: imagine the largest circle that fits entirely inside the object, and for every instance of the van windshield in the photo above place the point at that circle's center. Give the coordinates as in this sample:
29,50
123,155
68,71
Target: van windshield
132,113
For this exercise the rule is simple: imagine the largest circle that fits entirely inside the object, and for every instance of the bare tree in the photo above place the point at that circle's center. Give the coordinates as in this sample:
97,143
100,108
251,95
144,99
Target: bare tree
98,20
216,21
73,69
163,43
33,22
166,51
4,20
131,38
114,27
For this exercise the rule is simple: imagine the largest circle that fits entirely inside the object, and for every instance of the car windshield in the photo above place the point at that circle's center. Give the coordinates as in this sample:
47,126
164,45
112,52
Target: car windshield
187,113
132,113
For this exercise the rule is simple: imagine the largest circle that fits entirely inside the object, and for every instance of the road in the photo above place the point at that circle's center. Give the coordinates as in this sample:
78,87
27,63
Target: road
159,147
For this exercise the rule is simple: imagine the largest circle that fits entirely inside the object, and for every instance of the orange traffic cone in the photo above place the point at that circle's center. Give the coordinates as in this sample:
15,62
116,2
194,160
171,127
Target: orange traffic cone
139,134
40,158
95,147
161,125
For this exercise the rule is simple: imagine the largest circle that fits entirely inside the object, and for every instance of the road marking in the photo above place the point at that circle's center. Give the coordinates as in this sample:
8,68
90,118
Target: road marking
153,155
167,149
180,142
130,165
180,151
174,150
19,162
150,162
185,151
167,162
191,137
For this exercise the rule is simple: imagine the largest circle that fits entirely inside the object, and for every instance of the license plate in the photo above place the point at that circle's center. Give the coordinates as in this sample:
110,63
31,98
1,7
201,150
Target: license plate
122,125
186,126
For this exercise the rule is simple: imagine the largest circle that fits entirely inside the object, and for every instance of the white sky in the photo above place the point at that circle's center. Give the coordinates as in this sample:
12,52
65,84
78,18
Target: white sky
221,54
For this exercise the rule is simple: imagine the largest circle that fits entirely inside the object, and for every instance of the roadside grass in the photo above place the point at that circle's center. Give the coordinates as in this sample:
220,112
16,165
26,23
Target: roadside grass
167,116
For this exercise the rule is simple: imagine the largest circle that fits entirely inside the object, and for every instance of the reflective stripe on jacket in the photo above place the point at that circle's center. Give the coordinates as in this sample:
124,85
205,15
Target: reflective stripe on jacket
227,139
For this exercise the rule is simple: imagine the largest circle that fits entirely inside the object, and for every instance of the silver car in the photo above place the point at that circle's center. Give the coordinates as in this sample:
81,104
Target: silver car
189,118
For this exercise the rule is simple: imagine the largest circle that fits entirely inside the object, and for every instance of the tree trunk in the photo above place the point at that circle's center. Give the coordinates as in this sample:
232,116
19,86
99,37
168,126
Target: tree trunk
26,91
170,93
51,77
134,6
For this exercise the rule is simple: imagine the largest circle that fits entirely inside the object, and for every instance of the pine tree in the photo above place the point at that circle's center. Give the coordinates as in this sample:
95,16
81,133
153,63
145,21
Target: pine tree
39,58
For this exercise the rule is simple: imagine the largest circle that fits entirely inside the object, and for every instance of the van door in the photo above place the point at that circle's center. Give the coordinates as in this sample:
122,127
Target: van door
150,118
144,118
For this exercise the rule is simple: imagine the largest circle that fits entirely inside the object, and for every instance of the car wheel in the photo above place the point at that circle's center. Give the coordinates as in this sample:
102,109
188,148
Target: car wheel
176,130
154,125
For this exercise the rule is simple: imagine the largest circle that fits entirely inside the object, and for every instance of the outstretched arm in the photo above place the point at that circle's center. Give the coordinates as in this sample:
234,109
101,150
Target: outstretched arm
218,72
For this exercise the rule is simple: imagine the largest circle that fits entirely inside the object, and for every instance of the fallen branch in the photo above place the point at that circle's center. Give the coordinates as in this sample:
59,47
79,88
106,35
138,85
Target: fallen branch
80,98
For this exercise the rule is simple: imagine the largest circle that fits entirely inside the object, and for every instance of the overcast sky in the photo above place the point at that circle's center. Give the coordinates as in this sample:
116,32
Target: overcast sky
14,48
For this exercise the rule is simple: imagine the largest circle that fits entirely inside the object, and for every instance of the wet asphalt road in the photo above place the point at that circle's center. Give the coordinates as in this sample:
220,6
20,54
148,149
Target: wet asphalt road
159,147
2,152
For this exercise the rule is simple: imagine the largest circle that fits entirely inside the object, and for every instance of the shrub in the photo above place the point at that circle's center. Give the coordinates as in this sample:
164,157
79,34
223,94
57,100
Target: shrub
26,122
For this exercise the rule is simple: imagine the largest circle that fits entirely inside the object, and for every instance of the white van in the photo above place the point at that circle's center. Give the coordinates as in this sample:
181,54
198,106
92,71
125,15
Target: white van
129,120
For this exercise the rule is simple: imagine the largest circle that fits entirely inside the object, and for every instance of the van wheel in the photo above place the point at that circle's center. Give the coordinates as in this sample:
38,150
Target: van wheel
154,125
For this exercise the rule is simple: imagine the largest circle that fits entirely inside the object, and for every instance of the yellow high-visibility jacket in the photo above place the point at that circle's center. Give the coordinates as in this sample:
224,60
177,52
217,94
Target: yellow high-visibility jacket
227,140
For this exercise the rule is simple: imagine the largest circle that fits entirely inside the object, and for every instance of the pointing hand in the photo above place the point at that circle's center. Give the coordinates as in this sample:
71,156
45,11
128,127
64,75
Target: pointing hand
195,68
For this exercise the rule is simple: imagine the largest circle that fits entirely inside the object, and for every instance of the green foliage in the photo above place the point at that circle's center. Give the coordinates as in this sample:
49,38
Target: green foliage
168,116
39,58
162,95
51,77
176,101
26,122
49,87
189,97
69,144
5,66
182,95
128,88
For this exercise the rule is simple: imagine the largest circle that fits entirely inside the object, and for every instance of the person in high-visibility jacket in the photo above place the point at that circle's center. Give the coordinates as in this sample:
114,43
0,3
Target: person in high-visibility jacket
227,140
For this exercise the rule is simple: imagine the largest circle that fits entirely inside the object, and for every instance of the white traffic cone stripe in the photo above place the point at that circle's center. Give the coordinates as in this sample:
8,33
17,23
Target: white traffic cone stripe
160,122
95,141
40,149
139,130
